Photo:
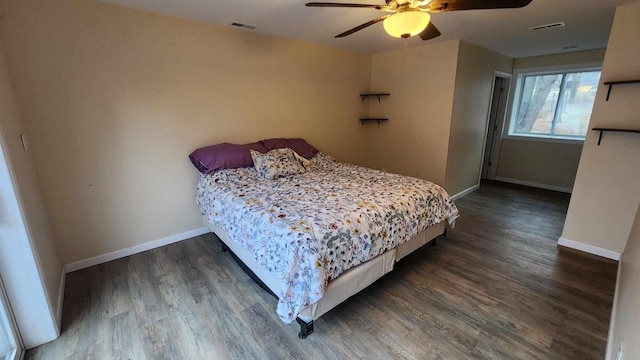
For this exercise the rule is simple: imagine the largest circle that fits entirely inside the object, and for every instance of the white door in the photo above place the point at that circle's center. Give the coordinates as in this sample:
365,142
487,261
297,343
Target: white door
10,344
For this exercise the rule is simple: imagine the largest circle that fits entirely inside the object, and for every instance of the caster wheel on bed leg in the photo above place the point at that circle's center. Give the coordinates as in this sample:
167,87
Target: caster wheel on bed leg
435,242
302,336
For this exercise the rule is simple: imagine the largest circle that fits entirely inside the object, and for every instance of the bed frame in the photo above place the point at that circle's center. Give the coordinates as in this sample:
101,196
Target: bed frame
340,289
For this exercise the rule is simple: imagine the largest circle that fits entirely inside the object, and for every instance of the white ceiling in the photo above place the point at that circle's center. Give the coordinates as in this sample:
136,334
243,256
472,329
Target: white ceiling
504,31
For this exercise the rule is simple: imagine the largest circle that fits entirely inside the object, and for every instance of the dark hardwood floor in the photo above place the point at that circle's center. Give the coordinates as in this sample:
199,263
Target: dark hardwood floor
497,287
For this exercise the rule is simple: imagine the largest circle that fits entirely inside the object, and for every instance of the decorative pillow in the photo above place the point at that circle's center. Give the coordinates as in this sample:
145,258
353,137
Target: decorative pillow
306,163
300,146
322,160
277,163
224,156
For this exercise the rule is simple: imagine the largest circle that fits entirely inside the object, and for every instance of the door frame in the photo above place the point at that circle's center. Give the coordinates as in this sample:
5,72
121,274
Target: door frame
497,141
13,325
21,267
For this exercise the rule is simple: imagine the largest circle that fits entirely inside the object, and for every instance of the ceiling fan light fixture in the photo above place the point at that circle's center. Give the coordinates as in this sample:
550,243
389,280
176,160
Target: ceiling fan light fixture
406,23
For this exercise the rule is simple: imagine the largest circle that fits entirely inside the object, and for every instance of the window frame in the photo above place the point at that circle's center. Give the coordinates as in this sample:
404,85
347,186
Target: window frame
516,90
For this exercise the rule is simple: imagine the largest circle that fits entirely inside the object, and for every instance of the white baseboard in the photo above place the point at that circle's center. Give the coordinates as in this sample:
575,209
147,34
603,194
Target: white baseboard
608,352
535,184
77,265
465,192
606,253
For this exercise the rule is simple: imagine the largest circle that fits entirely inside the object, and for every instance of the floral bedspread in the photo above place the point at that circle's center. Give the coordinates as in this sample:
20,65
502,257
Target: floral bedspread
312,227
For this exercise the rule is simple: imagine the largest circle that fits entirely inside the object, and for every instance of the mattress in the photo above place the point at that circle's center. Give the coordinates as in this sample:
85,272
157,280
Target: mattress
310,228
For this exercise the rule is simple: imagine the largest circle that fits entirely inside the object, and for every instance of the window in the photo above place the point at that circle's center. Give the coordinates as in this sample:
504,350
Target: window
554,104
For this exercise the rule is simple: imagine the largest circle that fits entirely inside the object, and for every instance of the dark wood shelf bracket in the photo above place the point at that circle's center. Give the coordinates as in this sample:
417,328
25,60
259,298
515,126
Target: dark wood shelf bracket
602,130
378,95
611,83
378,120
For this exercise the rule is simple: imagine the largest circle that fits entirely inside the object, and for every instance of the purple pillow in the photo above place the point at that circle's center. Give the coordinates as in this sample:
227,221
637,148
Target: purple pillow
300,146
224,156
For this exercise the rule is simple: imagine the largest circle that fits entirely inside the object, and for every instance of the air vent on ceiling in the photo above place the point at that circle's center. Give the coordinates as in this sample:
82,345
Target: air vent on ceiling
548,26
244,26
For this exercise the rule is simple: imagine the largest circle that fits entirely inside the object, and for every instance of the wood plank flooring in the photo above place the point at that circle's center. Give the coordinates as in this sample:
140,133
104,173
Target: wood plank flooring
497,287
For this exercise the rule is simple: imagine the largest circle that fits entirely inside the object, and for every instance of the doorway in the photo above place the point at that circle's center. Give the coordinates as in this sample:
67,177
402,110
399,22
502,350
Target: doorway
497,108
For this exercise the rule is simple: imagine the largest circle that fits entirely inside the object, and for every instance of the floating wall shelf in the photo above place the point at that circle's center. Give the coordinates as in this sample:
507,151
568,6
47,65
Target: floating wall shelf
613,130
364,121
378,95
611,83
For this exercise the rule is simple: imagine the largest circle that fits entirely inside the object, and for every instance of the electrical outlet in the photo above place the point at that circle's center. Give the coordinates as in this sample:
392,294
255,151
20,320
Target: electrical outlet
620,353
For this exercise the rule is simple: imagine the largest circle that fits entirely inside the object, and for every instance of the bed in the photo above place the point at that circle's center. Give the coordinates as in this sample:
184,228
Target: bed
318,237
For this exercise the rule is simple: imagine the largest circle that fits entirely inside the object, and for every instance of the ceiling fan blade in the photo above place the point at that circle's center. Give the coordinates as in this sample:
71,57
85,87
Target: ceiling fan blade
454,5
323,4
358,28
430,32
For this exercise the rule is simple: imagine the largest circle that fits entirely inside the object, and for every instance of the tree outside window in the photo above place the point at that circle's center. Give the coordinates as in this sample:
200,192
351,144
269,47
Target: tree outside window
556,105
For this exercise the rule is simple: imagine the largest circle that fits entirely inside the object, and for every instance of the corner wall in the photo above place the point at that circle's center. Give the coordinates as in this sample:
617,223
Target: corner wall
476,68
114,99
421,82
437,115
606,192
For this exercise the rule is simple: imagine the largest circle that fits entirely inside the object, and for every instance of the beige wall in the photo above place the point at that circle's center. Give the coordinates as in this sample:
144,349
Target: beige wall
541,162
38,239
606,192
474,81
421,82
570,58
625,317
115,99
548,163
437,118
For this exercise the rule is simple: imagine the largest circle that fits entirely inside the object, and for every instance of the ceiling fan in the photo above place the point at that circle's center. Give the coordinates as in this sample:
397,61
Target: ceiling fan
411,17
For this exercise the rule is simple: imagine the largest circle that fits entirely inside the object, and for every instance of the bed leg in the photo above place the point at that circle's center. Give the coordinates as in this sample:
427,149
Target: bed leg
224,246
444,235
306,328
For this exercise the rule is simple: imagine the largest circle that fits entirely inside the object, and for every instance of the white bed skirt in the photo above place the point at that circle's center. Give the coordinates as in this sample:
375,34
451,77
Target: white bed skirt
346,285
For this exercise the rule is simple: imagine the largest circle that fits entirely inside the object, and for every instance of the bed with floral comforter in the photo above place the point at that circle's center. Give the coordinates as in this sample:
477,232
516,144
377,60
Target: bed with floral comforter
310,228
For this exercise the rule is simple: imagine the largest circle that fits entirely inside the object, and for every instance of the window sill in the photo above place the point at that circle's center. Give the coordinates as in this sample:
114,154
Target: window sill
557,140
